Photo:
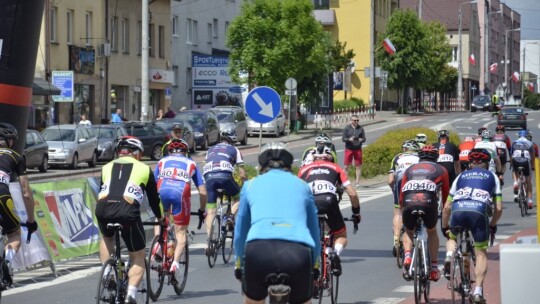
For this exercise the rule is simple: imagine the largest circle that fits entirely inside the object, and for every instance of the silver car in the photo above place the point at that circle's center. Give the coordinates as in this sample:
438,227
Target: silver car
232,122
276,127
71,144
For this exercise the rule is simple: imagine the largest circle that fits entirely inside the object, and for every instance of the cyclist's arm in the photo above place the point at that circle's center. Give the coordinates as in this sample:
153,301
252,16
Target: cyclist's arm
240,164
153,196
497,198
198,181
242,225
447,210
313,224
28,197
355,200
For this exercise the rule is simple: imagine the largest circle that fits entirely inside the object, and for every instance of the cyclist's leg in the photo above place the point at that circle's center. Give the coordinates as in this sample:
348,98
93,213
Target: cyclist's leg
11,226
409,222
232,188
397,220
328,204
212,184
181,215
430,221
106,244
479,226
135,240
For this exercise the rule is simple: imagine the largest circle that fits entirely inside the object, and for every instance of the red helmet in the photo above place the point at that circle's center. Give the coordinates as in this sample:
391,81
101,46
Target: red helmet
178,145
429,152
500,128
479,155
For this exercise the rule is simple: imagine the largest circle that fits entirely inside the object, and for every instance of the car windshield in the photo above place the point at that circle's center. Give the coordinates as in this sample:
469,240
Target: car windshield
103,132
481,99
195,119
513,110
59,135
225,117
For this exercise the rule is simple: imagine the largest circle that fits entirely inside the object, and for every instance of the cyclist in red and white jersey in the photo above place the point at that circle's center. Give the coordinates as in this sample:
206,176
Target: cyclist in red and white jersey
464,148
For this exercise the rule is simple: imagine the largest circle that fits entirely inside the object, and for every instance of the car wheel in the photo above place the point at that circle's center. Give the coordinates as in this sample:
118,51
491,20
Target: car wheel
93,161
156,153
74,161
44,164
473,109
193,148
204,146
244,141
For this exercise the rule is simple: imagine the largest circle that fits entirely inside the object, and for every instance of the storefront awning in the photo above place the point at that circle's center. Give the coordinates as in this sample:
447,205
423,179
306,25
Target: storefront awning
44,88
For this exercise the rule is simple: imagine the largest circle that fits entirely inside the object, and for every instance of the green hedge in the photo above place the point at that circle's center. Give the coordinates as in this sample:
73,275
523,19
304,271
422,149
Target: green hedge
348,103
377,157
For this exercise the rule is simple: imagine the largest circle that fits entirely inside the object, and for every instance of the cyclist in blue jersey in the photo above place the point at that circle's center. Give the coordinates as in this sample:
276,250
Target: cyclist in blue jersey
218,174
469,205
276,231
522,154
173,175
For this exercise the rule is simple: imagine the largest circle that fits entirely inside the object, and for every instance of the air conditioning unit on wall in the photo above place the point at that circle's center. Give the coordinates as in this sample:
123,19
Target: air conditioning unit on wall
104,50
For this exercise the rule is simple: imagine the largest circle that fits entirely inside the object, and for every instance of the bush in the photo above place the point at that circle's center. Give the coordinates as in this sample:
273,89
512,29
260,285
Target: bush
348,103
401,110
377,157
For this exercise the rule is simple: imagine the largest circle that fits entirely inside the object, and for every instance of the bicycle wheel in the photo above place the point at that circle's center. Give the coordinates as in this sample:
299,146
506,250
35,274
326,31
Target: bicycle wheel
227,238
400,251
213,241
522,201
334,288
156,274
142,295
417,275
106,288
426,283
181,273
456,279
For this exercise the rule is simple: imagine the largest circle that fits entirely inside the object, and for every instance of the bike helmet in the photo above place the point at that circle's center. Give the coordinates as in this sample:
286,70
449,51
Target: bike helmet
500,128
226,137
276,155
323,138
529,135
421,138
128,144
323,152
443,133
178,145
429,152
410,145
480,130
468,138
482,155
177,126
486,134
522,133
8,131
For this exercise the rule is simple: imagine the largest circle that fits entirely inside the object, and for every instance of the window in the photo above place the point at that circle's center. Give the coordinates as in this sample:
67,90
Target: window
125,35
175,26
88,26
191,27
139,37
226,27
70,29
114,34
216,28
454,54
151,43
209,36
161,41
54,23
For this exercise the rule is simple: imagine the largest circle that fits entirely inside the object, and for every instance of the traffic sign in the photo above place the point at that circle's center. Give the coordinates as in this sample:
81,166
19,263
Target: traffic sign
290,92
263,104
290,84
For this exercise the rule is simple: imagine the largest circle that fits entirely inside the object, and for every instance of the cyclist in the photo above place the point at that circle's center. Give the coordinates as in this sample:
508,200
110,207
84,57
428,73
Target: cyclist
535,146
464,149
500,134
522,152
218,174
324,177
177,132
469,205
322,139
503,144
421,139
276,231
400,163
486,143
478,138
123,182
448,154
420,188
12,165
173,175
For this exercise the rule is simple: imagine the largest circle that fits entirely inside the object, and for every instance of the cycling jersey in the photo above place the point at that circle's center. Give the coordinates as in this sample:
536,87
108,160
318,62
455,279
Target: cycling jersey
492,149
420,188
464,149
222,158
307,157
473,196
400,163
522,149
448,154
174,174
503,138
11,167
502,151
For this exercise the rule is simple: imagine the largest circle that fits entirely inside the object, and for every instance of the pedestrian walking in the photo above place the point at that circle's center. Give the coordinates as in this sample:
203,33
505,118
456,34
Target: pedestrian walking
353,137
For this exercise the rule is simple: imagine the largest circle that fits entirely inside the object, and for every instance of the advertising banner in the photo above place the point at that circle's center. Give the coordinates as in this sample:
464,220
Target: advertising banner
64,211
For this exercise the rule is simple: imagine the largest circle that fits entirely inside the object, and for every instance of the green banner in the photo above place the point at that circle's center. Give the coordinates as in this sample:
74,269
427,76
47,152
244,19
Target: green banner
64,211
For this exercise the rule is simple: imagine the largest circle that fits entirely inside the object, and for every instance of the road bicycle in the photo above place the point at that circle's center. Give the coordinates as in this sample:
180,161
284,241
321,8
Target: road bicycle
522,192
420,267
460,284
278,288
161,257
399,251
113,280
221,231
327,284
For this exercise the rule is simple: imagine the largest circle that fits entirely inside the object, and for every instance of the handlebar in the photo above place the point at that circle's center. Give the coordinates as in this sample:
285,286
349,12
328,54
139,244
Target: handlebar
355,224
29,235
199,225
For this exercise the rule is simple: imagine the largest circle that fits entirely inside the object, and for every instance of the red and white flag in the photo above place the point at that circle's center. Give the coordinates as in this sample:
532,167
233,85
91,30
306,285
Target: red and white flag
389,46
531,87
472,60
493,68
516,77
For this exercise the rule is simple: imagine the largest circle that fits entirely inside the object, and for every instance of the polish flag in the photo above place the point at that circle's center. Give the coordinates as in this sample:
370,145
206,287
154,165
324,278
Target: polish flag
472,60
493,68
531,87
389,46
515,77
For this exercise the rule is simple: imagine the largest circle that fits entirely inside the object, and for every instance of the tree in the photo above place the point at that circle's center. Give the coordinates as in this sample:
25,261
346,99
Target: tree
439,54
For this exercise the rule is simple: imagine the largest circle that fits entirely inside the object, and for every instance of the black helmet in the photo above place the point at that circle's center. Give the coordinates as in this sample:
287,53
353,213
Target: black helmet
227,137
480,130
276,152
323,138
177,126
323,152
443,133
8,131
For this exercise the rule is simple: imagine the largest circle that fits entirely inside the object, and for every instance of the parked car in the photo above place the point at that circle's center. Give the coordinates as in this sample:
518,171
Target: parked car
205,126
152,136
167,124
511,116
232,122
107,136
481,102
275,127
36,151
71,144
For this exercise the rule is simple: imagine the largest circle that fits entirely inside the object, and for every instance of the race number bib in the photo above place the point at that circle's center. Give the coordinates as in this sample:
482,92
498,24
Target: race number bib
174,173
4,178
445,158
521,153
322,186
464,153
221,166
468,193
419,185
133,192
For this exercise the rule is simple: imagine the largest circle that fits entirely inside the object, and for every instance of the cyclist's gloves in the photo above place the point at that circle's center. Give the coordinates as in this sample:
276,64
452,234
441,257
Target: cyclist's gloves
493,229
445,231
238,273
201,215
356,215
32,227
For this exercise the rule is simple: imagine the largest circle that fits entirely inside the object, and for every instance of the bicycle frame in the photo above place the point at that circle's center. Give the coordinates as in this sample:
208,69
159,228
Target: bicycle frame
522,192
326,281
461,282
218,231
420,267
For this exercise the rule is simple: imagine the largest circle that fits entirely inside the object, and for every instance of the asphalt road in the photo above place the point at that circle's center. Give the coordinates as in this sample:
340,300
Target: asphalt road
370,274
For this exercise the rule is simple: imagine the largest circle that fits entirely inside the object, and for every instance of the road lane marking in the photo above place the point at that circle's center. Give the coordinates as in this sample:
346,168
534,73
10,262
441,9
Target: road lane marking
387,300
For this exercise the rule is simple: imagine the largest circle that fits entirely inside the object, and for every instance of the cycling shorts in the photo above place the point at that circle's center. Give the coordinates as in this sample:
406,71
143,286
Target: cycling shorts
263,257
396,190
172,200
132,234
220,180
473,216
9,220
522,162
329,205
430,217
502,156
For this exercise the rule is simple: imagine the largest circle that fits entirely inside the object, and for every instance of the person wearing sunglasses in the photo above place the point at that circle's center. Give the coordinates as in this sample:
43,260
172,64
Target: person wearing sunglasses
353,137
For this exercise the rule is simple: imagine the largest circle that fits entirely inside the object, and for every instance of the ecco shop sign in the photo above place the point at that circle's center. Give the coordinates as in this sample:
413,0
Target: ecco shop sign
219,74
204,73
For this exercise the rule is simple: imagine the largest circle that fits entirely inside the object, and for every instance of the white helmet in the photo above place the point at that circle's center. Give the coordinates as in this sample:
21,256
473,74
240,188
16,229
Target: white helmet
421,138
323,152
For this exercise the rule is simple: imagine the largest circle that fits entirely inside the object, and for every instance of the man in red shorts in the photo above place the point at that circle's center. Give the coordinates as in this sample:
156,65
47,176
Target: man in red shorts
353,137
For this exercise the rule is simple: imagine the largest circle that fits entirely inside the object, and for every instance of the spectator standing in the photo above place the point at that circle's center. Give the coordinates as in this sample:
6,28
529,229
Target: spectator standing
169,114
117,117
84,121
159,115
353,137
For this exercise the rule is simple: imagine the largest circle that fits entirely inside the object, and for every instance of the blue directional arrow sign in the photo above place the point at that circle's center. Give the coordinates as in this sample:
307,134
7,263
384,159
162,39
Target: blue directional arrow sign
263,104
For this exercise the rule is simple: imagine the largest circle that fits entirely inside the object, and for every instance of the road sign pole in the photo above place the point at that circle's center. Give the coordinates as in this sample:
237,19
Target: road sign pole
289,123
260,137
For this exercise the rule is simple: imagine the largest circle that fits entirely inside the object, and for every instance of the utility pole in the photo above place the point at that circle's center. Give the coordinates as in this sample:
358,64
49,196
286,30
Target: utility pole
144,63
372,55
460,66
106,89
420,9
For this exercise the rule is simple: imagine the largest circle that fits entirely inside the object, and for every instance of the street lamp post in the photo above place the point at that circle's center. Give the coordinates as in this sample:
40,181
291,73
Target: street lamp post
486,46
506,61
460,68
